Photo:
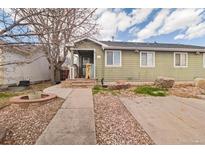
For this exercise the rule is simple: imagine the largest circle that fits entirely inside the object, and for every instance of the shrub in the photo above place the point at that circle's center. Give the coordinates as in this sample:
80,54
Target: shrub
6,95
148,90
99,89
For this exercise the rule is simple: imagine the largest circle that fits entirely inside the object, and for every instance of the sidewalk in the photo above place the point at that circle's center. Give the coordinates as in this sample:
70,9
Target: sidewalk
74,122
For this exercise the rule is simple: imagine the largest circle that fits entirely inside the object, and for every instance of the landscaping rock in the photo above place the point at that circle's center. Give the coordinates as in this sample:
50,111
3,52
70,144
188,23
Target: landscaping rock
200,82
201,96
3,87
2,134
164,82
115,125
119,86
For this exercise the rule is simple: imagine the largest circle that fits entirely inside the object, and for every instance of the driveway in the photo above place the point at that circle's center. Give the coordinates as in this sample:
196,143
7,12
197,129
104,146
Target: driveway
170,120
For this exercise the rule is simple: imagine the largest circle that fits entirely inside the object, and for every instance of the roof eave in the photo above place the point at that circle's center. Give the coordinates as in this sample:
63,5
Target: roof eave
152,49
93,40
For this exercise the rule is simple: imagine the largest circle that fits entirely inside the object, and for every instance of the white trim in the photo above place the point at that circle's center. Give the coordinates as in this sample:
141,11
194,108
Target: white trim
154,49
71,73
82,49
152,66
203,60
113,58
94,61
180,59
93,40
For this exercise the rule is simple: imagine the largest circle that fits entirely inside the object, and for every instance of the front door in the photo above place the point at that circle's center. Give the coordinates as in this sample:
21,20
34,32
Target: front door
85,57
85,60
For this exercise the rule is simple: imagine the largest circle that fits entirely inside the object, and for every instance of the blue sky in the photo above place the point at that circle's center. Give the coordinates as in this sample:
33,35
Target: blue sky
186,26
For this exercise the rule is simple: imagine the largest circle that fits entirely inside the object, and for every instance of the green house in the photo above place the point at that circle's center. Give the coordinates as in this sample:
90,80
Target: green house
134,61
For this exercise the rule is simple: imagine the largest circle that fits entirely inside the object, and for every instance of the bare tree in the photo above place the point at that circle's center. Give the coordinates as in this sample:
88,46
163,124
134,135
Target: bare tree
55,29
14,29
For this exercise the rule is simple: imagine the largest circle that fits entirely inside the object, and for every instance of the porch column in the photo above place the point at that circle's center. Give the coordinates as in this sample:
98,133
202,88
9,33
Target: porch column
72,57
71,71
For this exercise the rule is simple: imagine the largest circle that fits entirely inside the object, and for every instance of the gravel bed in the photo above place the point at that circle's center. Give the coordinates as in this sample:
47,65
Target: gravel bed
25,123
186,91
115,124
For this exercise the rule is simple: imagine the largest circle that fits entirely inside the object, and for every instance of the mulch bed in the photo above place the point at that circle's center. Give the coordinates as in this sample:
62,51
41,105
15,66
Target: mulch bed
25,123
115,124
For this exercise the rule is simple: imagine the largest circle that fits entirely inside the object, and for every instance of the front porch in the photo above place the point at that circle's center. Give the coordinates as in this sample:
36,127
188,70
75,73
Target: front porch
82,64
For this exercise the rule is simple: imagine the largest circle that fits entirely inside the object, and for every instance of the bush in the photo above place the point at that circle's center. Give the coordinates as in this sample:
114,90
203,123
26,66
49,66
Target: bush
148,90
99,89
6,95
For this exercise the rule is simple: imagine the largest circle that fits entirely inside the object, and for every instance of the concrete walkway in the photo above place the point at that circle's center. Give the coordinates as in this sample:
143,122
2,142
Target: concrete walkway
74,121
58,90
170,120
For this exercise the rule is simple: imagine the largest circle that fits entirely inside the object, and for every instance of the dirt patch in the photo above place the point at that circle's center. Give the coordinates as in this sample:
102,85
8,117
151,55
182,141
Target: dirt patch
186,90
115,124
7,94
25,123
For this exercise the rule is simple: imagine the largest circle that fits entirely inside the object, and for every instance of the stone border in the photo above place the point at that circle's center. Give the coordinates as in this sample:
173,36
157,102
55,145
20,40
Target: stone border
19,99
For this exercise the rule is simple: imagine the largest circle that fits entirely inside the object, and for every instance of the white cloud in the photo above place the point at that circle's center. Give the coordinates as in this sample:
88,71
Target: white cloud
188,21
180,36
151,28
113,20
180,20
100,11
133,30
193,32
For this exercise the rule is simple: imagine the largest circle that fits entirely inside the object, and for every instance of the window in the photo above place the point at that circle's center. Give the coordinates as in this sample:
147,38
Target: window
204,60
113,58
147,59
180,59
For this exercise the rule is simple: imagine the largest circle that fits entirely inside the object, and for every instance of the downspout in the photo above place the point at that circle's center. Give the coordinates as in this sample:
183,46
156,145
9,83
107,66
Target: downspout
1,69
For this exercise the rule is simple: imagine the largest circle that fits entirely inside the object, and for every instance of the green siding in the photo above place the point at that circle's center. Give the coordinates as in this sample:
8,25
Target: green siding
130,69
98,51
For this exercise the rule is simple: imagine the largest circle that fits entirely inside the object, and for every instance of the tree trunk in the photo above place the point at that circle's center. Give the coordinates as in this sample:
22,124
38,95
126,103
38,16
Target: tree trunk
52,73
57,75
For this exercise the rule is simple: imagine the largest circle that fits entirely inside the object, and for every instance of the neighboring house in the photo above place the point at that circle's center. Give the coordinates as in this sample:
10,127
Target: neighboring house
22,63
139,61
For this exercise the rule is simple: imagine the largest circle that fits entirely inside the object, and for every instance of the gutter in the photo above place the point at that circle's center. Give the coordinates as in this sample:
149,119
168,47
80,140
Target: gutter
137,49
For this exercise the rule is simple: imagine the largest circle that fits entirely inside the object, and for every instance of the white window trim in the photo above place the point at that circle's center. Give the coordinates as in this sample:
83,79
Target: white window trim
204,60
113,58
152,66
180,59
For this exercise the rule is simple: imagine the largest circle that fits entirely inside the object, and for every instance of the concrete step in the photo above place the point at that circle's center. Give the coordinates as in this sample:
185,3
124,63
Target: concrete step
79,83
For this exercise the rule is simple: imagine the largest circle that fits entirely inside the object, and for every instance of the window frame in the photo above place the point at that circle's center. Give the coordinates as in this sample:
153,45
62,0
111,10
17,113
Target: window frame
151,66
203,60
113,65
186,53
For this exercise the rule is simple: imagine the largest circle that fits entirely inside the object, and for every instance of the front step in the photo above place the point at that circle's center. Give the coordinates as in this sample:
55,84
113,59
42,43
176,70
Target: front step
86,83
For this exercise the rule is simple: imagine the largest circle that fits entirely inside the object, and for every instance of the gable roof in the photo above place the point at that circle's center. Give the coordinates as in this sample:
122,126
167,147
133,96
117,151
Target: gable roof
92,40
